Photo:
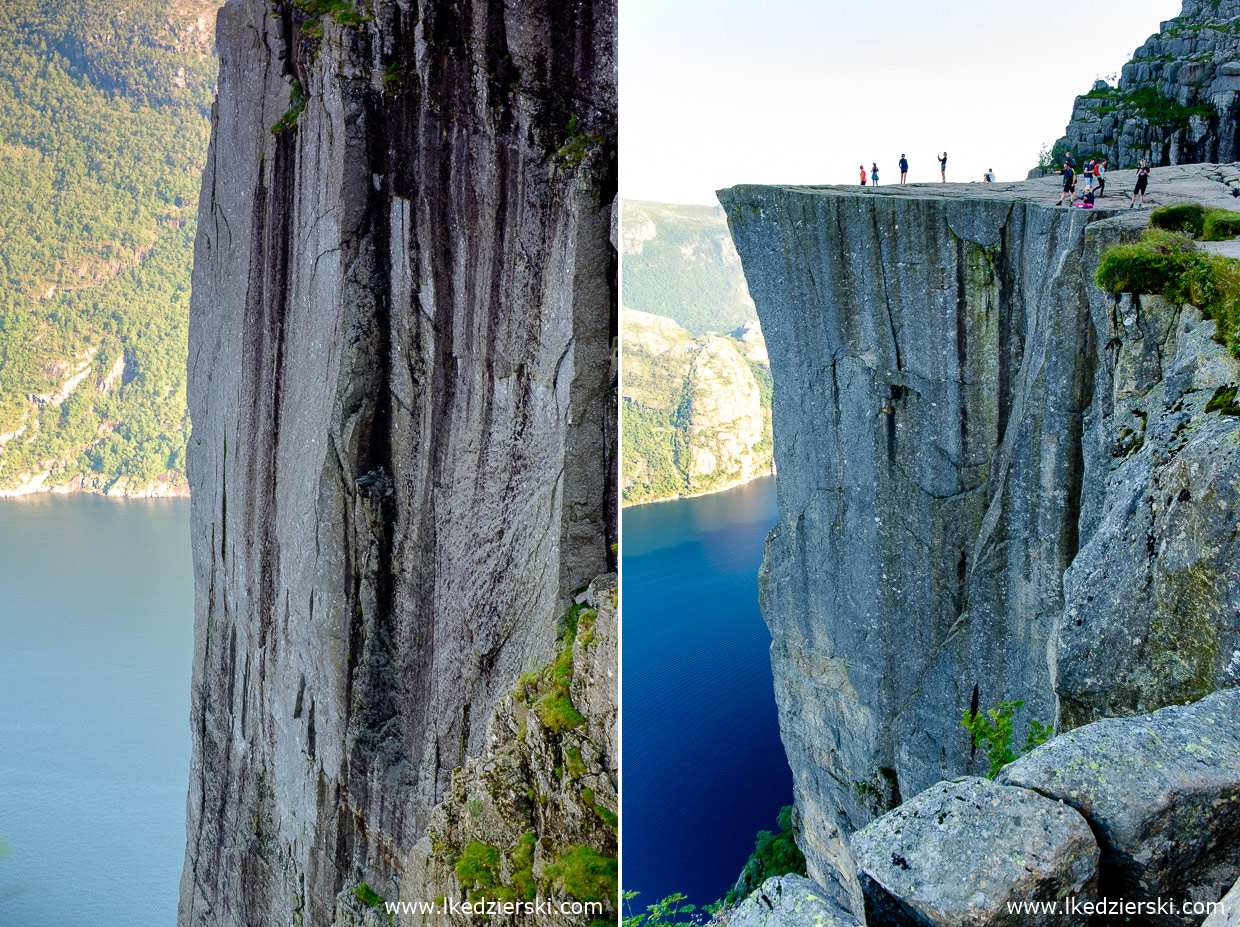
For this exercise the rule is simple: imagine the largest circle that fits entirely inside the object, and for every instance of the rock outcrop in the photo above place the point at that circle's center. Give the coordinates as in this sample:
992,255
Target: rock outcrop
1177,101
961,415
1162,794
789,901
970,852
401,347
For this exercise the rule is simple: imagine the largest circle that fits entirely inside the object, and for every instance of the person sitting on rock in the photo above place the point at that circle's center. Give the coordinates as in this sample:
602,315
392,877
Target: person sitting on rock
903,169
1087,201
1069,184
863,175
990,175
1143,181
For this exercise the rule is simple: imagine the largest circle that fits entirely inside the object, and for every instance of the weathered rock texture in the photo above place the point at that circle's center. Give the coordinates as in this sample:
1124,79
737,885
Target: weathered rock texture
400,349
789,901
539,806
956,412
1228,913
1162,794
1177,100
970,852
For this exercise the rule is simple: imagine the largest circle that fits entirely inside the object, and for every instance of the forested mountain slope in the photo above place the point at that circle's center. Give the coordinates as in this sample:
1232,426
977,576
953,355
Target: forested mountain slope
104,115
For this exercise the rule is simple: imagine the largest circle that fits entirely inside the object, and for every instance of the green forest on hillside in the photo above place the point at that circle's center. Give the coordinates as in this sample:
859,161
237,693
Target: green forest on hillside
104,120
681,264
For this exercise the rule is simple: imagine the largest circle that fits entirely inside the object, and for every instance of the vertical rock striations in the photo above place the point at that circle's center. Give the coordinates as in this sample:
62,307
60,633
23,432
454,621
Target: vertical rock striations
400,353
960,415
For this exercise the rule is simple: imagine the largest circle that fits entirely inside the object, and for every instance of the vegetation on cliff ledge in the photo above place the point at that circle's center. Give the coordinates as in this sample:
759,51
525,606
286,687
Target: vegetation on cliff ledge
1167,263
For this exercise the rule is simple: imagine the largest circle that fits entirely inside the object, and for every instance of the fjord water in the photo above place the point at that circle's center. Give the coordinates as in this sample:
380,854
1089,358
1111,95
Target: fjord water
704,769
96,637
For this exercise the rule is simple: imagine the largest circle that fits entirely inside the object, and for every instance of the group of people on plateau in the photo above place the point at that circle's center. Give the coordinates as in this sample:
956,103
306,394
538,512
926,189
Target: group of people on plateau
1095,175
872,176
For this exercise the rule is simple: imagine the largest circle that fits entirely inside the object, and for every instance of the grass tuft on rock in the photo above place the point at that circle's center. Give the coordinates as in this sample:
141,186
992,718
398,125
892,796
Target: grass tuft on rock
1166,263
586,874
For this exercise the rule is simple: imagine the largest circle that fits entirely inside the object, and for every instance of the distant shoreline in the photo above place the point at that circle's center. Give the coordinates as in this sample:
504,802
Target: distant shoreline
108,489
698,495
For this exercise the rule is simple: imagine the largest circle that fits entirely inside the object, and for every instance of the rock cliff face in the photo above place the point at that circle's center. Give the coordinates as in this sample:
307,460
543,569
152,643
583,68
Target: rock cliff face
401,345
960,417
1177,100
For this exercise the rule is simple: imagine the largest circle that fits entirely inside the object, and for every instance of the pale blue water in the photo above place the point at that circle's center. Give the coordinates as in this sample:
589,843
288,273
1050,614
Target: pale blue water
703,768
96,614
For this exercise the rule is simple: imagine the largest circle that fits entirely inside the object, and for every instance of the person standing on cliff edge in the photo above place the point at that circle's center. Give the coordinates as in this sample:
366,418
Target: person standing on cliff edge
874,174
863,175
943,167
1143,181
1069,184
903,169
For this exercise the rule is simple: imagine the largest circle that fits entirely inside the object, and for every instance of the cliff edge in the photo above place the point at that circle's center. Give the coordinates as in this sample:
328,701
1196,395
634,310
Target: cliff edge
401,346
962,419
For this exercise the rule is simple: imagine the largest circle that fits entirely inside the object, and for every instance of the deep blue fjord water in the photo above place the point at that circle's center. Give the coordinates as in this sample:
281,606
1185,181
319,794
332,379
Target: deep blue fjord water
96,615
703,766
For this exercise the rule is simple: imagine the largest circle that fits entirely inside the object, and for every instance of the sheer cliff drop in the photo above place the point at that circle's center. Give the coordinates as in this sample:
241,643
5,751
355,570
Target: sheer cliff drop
400,379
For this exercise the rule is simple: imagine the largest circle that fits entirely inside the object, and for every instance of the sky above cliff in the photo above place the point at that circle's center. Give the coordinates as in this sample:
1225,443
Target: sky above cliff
719,92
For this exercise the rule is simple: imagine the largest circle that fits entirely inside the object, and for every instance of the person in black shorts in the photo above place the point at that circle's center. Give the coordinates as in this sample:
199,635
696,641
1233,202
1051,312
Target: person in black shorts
1069,184
903,169
943,167
1143,181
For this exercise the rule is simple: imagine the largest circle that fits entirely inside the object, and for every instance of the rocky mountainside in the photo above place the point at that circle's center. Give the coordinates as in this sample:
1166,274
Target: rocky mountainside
401,352
998,483
696,413
1177,100
680,263
104,117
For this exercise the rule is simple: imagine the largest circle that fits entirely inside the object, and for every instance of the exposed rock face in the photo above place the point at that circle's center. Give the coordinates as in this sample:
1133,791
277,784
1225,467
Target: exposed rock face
954,427
706,421
1178,99
968,852
400,349
789,901
1162,794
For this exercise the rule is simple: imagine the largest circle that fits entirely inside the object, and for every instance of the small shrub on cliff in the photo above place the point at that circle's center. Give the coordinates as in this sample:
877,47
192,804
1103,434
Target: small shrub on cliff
1221,224
672,911
586,874
774,854
1180,217
992,731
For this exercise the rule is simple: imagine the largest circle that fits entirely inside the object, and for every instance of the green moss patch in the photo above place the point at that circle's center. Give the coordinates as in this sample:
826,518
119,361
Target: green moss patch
1224,401
368,896
546,690
586,874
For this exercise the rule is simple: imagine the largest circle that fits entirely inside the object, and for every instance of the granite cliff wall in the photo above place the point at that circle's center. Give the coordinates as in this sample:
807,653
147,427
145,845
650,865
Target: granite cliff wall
961,416
401,346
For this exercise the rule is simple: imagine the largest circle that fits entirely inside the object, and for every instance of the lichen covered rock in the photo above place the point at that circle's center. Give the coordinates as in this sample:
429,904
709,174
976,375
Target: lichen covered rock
968,852
790,901
1161,793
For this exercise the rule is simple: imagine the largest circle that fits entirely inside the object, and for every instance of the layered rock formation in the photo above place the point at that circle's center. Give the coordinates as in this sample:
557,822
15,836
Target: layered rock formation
1177,100
960,416
400,352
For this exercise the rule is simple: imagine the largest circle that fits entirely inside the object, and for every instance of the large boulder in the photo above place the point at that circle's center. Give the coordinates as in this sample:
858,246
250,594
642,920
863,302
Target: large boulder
1162,794
970,852
790,901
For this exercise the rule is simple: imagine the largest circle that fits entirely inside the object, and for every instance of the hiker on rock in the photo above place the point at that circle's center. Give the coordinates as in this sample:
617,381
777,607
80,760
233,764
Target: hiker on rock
990,175
1143,181
1069,183
874,174
863,175
903,169
943,167
1100,170
1089,174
